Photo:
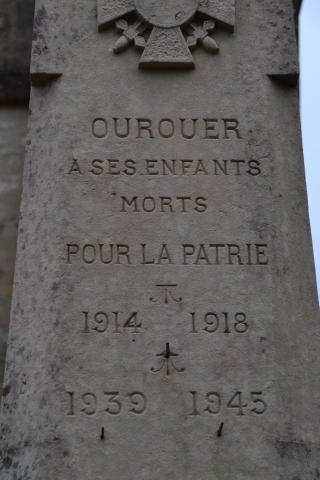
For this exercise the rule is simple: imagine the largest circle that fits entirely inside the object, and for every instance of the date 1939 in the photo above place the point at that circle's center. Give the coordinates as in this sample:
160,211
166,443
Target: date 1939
114,404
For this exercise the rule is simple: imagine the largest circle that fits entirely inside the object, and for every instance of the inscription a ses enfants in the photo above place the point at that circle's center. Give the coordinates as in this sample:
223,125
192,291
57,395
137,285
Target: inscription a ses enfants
164,167
166,128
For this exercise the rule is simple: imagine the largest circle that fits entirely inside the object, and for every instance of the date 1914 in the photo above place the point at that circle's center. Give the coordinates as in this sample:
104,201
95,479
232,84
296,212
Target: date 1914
209,323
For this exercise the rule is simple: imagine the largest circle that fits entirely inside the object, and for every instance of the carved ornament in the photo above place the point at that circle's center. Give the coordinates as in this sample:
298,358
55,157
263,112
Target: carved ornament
166,30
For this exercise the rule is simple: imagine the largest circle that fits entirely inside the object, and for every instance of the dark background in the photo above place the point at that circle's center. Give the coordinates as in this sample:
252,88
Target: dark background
16,23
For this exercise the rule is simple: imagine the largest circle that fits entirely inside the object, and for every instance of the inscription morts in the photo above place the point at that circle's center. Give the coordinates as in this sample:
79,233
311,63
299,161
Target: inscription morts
164,318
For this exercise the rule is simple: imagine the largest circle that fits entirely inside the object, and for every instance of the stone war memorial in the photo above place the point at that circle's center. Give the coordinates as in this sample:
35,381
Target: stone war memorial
165,320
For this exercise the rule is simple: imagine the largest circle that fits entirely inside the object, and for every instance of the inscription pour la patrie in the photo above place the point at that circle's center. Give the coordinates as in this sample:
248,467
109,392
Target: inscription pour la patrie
111,321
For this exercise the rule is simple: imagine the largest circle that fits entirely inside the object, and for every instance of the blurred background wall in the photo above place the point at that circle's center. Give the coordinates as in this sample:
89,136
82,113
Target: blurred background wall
297,6
16,23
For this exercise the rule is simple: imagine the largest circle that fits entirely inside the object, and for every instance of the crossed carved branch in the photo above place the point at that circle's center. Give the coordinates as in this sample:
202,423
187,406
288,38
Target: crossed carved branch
201,35
130,33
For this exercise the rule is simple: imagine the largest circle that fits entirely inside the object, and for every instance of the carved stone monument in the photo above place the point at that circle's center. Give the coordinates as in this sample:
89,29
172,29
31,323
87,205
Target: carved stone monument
165,319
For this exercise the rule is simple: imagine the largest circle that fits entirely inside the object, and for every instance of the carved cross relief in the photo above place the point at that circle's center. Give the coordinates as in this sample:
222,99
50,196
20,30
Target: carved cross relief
176,26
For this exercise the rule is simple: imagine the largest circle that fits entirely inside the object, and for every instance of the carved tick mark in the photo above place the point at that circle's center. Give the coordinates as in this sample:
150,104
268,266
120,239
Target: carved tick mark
165,290
102,434
219,433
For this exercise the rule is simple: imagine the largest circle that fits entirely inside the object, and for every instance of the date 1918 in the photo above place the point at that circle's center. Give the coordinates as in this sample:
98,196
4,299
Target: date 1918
223,322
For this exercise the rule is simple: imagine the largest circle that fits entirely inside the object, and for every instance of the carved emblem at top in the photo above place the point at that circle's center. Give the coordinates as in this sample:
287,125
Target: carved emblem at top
177,26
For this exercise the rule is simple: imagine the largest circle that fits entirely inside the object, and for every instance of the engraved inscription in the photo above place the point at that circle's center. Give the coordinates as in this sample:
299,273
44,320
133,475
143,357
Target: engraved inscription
188,128
113,403
111,323
89,402
222,322
167,168
240,403
184,254
149,204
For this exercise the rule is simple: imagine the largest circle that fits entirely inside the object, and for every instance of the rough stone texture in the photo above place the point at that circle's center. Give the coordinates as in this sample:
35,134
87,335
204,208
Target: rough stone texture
13,128
109,374
220,10
109,11
161,13
166,46
16,20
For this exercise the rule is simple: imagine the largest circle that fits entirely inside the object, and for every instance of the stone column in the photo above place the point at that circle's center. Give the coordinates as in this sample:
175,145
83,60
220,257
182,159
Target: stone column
165,320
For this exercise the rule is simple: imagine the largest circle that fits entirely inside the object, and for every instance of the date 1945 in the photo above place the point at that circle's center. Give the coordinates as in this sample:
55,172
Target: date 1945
114,403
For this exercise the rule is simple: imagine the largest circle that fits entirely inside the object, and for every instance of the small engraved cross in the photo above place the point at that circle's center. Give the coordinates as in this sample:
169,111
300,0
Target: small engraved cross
167,354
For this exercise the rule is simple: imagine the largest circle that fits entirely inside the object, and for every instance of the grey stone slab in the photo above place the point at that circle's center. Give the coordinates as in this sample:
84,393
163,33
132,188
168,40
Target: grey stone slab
165,319
220,10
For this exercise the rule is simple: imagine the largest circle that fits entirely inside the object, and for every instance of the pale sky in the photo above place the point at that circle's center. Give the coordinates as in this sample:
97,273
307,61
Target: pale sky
310,113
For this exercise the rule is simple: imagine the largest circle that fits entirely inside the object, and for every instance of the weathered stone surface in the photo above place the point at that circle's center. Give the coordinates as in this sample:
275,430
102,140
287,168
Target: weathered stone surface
13,127
220,10
165,320
109,11
166,46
